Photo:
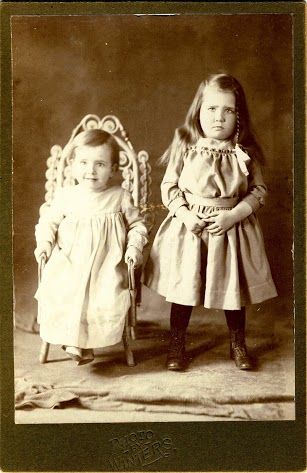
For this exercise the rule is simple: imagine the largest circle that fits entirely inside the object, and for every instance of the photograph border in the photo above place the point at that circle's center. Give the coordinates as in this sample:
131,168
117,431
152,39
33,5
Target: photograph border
200,446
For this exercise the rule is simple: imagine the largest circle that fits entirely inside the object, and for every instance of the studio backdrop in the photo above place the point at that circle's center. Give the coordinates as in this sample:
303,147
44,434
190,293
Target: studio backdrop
146,70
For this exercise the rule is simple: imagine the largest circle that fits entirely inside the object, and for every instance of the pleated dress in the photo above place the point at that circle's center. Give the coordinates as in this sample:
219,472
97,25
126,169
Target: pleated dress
84,296
218,272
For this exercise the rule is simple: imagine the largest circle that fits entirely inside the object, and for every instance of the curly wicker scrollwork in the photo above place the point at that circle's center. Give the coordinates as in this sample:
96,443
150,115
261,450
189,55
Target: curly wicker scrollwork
126,166
112,125
128,181
90,122
145,179
51,175
145,170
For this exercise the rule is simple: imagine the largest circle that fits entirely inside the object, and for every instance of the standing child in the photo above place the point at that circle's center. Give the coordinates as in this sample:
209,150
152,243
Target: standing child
89,232
209,250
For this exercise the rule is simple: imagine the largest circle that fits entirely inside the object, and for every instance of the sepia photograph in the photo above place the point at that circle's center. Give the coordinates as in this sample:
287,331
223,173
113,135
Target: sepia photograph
153,228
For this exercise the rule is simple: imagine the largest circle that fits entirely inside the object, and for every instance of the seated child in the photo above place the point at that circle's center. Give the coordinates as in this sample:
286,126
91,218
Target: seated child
88,234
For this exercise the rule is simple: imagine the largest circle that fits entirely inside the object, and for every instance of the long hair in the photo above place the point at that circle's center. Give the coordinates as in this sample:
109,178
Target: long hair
191,131
93,137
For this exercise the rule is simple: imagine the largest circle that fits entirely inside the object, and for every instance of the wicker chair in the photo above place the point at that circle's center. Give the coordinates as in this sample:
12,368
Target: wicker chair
135,170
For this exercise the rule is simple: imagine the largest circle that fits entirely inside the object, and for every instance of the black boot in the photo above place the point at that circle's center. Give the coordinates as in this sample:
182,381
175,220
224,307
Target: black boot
176,357
238,351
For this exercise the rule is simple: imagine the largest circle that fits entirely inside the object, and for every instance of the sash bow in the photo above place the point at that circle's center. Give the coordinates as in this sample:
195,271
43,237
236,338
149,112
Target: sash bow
243,159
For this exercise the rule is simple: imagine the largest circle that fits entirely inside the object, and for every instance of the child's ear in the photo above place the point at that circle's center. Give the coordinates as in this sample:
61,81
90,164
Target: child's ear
114,168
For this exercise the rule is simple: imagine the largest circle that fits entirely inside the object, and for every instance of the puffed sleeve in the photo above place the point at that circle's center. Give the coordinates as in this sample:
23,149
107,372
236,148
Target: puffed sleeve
257,190
136,230
49,222
172,196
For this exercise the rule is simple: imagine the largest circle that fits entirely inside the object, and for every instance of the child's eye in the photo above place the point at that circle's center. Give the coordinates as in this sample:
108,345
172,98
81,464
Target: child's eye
230,110
100,165
212,109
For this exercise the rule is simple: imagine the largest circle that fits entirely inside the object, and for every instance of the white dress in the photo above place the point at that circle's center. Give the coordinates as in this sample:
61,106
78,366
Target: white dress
219,272
84,295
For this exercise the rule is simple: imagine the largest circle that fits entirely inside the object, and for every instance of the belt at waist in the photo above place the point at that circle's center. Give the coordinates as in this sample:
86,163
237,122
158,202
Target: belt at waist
211,202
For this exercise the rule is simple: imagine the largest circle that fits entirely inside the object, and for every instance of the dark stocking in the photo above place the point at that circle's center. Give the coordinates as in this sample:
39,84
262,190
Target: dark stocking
236,319
180,317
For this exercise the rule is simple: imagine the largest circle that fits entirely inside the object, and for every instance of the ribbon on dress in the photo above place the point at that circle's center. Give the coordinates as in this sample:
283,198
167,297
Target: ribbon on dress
243,159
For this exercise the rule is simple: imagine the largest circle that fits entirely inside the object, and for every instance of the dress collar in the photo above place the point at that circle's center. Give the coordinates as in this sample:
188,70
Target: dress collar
217,145
211,143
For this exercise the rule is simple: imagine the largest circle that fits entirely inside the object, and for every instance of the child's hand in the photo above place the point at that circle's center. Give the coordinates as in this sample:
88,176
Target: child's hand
43,248
135,255
193,223
222,220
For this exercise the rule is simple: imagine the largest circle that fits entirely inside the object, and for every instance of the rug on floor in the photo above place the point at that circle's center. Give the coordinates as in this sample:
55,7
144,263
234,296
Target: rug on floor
211,386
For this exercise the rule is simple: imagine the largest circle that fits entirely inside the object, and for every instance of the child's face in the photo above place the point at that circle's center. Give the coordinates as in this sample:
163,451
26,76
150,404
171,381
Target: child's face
92,166
217,114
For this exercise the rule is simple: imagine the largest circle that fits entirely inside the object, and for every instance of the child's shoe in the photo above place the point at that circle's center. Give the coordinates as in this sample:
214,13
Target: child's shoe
87,356
238,350
74,353
176,357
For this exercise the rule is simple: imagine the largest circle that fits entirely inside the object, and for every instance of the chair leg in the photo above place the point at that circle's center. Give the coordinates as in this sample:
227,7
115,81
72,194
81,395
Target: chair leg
44,352
126,342
131,319
133,333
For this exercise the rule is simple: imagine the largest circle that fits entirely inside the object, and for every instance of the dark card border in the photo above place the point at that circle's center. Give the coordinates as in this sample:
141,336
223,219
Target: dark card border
201,446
